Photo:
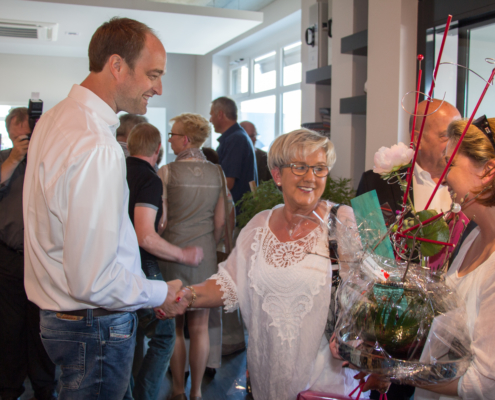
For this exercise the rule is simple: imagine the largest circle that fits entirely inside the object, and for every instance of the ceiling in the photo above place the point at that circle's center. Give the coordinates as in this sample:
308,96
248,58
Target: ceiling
247,5
184,29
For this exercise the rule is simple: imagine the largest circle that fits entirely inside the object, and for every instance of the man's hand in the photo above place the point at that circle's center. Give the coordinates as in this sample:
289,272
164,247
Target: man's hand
171,307
192,255
19,151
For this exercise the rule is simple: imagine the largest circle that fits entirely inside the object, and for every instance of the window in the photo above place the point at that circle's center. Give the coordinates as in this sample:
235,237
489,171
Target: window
292,67
5,142
261,112
267,90
240,80
469,42
291,105
265,73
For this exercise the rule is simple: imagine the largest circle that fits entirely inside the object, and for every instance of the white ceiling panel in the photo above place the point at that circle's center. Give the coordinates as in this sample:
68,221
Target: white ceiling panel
182,29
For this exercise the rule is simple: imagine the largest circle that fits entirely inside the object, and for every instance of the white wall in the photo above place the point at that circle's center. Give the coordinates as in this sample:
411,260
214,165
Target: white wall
343,130
308,91
53,77
392,38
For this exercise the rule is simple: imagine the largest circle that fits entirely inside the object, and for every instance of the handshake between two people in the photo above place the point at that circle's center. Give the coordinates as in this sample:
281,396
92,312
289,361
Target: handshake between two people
177,301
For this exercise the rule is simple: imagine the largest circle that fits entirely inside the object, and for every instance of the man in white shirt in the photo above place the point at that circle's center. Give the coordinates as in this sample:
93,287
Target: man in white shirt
82,264
429,164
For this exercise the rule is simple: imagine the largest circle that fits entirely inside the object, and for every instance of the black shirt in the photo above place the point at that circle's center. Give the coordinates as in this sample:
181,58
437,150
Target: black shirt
11,221
145,190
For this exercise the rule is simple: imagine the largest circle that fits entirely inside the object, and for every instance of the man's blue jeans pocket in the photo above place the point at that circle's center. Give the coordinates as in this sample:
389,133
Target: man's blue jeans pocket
119,333
94,353
70,355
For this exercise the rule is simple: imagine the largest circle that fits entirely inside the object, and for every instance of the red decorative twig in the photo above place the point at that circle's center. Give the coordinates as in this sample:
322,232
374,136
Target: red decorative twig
460,139
427,221
425,240
360,387
418,87
411,172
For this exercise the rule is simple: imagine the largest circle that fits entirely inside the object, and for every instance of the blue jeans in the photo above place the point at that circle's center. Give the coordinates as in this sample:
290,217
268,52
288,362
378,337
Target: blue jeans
95,353
157,358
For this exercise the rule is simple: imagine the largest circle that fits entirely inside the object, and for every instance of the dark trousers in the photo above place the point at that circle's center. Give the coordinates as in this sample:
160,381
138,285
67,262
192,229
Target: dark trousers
21,352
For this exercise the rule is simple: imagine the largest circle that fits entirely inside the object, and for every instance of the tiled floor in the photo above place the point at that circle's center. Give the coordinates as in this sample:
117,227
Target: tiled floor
228,384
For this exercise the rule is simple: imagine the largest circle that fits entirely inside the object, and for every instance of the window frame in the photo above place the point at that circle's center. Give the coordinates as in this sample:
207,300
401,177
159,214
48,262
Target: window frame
279,89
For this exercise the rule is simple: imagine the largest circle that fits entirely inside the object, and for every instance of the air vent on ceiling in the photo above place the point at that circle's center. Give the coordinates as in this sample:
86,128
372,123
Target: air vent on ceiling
28,29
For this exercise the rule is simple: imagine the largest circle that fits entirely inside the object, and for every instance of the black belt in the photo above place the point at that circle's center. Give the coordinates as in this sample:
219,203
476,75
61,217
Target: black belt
97,312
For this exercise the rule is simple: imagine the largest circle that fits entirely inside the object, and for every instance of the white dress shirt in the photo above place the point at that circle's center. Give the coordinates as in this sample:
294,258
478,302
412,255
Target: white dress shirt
423,187
81,250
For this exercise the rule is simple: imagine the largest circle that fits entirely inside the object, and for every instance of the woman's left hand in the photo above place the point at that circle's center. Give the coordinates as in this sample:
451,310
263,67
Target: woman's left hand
374,382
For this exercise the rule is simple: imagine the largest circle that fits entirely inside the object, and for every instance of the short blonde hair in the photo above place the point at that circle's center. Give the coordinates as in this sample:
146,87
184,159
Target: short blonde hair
195,127
299,143
143,140
476,146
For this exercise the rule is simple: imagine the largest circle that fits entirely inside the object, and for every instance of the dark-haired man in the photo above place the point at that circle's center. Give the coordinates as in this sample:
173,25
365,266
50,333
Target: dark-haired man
21,351
238,161
127,122
82,257
236,150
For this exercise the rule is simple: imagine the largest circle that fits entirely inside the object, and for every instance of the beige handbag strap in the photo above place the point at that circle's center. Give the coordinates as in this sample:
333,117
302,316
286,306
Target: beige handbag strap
228,232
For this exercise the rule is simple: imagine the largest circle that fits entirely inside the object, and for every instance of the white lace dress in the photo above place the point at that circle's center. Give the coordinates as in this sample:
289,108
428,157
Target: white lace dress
283,290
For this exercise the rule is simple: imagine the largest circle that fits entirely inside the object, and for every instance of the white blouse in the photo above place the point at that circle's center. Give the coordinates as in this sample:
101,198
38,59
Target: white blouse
283,290
478,290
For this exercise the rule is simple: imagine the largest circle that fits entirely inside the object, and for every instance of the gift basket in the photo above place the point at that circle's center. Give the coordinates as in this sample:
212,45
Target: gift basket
397,315
412,331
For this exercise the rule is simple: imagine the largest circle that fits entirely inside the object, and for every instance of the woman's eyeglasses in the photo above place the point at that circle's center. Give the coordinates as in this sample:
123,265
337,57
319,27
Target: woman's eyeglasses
319,171
175,134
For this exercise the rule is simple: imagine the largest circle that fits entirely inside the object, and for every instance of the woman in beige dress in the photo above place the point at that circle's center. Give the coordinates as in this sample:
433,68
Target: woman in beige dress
195,217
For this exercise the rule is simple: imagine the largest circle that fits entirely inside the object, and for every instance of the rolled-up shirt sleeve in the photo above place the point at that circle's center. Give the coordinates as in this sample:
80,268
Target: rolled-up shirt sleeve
100,253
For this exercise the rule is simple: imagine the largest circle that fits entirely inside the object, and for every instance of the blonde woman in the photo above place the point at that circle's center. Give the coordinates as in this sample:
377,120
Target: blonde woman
472,272
195,216
279,274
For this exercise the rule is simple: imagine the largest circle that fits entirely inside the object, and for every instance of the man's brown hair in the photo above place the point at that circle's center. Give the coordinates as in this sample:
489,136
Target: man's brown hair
123,36
19,113
143,140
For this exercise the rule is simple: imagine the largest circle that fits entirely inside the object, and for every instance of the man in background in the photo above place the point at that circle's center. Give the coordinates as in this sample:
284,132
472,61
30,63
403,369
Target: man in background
127,122
261,156
145,211
21,351
429,164
238,161
236,150
82,256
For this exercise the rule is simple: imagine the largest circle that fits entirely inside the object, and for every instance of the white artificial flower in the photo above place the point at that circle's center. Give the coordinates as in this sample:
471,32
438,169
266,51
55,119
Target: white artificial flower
392,159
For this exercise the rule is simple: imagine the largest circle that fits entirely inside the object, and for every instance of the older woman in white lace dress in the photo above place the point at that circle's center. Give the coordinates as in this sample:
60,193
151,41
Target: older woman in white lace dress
279,274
